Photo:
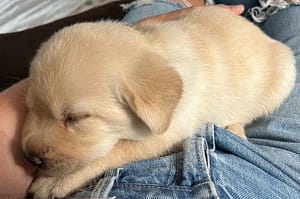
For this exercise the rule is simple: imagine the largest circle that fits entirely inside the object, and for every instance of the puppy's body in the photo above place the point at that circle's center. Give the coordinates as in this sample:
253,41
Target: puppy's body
229,75
95,87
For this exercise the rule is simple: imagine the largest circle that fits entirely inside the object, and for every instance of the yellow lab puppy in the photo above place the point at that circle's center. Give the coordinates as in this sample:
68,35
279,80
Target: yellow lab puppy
103,94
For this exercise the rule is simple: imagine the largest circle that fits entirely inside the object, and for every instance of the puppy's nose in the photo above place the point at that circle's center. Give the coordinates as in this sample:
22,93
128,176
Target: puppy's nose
35,160
33,152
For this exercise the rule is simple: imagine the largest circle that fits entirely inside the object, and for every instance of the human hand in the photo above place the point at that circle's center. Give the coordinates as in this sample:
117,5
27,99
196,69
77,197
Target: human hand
237,9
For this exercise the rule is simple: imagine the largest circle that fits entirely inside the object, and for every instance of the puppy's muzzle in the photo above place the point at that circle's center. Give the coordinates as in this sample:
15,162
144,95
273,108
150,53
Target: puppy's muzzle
36,154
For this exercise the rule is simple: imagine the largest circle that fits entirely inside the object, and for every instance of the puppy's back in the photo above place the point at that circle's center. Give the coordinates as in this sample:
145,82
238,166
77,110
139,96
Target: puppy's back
242,73
248,69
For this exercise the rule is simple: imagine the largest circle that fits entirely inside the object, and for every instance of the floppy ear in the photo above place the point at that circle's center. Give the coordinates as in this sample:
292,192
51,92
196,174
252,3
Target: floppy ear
152,90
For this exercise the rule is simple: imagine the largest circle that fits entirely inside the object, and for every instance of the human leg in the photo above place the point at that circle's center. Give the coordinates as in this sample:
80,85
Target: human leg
271,158
238,167
285,27
283,124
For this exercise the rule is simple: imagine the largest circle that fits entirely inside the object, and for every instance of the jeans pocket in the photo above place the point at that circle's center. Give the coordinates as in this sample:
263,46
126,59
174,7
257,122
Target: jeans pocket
181,175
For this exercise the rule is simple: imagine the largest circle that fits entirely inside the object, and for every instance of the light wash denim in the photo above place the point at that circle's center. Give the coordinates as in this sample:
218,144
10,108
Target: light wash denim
141,9
215,163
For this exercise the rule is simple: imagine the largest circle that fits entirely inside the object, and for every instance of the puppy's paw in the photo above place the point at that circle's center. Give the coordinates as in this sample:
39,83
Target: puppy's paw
238,129
50,187
41,188
65,186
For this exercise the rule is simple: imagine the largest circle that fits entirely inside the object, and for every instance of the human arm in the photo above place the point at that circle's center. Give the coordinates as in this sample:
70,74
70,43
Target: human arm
15,172
237,9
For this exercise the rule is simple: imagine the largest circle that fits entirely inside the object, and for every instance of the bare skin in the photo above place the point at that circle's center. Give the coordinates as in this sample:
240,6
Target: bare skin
16,173
238,9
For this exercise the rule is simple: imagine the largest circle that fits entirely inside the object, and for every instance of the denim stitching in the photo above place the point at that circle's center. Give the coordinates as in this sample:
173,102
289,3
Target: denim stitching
179,166
171,171
102,186
101,189
205,149
175,188
200,151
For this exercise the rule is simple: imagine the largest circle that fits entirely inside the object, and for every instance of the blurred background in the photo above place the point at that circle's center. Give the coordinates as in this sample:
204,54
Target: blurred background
16,15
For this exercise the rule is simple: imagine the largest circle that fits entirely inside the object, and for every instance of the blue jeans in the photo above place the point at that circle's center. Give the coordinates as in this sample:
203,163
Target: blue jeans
215,163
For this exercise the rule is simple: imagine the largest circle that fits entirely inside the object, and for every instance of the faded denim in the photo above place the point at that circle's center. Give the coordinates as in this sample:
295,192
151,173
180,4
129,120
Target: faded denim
215,163
141,9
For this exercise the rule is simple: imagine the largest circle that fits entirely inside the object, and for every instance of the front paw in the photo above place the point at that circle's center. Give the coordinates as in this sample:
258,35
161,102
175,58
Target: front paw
50,187
238,129
41,188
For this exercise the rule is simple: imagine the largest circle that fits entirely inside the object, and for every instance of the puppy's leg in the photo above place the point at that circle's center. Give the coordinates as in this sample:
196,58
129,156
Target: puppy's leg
238,129
41,187
123,152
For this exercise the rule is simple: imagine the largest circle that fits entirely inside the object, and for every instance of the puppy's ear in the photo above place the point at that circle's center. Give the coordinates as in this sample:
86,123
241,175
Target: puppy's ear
152,90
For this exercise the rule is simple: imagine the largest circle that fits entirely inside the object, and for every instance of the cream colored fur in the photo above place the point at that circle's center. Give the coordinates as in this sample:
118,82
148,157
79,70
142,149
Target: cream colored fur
103,94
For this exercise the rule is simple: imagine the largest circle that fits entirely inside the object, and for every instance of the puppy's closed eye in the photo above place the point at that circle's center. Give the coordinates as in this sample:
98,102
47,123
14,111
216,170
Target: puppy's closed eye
72,118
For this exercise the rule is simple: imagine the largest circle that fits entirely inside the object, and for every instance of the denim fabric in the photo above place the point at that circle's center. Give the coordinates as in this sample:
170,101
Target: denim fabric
181,175
215,163
141,9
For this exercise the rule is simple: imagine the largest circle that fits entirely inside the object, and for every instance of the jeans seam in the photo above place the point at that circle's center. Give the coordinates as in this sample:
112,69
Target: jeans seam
172,168
103,187
179,163
167,187
200,155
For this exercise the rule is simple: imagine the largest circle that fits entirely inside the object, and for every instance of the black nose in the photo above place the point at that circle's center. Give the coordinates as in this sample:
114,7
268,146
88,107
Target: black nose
36,160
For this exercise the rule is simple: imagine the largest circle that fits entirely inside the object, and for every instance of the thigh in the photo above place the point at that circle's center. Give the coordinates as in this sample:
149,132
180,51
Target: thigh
285,27
283,125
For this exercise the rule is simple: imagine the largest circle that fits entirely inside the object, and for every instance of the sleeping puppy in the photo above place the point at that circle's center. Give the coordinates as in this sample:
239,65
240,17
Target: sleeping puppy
104,94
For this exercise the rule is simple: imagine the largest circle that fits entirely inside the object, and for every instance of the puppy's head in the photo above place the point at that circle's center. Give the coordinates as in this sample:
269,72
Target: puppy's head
91,85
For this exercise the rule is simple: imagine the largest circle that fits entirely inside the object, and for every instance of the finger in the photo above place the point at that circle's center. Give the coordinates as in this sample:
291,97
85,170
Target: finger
237,9
167,16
